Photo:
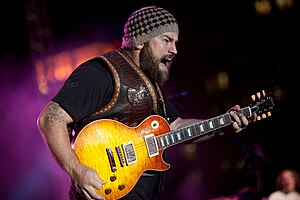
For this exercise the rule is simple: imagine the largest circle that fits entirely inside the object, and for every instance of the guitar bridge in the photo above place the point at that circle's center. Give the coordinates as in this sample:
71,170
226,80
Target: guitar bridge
111,159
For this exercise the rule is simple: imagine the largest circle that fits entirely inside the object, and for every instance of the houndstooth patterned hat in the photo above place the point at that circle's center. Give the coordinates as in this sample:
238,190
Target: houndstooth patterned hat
147,23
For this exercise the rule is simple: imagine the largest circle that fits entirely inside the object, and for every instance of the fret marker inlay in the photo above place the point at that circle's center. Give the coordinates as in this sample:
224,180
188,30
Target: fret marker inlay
189,132
211,125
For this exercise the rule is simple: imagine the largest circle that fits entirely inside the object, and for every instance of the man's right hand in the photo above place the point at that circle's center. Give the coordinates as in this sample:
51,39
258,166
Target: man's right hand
85,180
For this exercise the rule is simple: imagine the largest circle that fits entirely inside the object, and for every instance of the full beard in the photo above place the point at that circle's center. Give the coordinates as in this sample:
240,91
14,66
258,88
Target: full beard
150,65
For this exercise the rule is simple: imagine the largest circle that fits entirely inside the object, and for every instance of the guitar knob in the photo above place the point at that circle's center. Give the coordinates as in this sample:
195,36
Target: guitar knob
107,191
121,187
113,178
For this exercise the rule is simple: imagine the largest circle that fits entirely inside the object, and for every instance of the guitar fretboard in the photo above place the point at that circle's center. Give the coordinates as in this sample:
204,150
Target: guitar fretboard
202,128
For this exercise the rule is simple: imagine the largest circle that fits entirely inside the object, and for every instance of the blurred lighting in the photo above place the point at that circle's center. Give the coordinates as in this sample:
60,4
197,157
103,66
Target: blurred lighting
57,68
263,7
217,83
225,165
195,175
62,65
41,78
284,4
191,148
189,151
278,93
240,163
223,80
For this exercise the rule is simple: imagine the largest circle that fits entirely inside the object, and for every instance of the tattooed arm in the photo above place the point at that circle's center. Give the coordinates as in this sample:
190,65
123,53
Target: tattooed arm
52,123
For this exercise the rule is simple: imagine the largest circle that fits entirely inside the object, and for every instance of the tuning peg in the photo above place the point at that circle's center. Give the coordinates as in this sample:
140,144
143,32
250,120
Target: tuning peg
253,97
269,114
263,92
258,95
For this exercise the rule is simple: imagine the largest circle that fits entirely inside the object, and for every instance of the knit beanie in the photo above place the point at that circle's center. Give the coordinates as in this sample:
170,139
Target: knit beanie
147,23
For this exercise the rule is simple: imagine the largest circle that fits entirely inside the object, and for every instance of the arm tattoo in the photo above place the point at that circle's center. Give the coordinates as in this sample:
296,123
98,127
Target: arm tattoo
55,113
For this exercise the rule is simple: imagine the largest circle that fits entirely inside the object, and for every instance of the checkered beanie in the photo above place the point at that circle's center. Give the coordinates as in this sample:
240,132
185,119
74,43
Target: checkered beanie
147,23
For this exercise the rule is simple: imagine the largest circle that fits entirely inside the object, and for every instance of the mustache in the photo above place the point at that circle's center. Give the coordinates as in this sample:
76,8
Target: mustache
169,57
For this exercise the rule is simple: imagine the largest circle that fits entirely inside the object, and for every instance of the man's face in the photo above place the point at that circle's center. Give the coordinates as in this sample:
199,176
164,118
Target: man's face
288,181
157,55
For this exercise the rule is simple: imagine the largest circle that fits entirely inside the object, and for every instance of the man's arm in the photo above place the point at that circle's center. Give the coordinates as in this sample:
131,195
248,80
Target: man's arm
52,123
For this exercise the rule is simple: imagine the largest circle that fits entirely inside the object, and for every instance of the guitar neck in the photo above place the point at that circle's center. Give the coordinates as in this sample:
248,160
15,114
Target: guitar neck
202,128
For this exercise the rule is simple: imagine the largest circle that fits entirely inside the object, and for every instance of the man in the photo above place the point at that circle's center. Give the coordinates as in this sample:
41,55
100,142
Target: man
124,85
287,186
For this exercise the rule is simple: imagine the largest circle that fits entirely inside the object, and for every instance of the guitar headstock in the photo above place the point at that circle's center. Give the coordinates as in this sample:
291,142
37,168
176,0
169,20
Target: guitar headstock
262,104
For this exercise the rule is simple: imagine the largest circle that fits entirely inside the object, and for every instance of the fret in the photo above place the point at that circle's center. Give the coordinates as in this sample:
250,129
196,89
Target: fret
216,123
167,139
210,124
197,128
227,119
194,130
221,120
200,127
205,126
246,112
161,139
189,132
158,142
183,133
178,136
172,138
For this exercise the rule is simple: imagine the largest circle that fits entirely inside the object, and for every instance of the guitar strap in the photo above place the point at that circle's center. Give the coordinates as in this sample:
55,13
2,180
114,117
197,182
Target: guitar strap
161,101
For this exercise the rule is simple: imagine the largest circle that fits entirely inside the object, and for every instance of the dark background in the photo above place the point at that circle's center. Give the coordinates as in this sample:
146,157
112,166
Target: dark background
258,52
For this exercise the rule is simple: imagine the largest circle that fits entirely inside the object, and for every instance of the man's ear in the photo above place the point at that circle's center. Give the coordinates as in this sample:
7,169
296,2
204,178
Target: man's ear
139,47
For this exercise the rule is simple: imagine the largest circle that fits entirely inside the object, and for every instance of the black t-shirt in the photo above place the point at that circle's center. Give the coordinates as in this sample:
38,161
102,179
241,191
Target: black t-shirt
88,88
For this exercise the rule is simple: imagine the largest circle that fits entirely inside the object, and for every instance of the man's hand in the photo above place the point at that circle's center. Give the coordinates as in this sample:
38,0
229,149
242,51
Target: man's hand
85,180
240,121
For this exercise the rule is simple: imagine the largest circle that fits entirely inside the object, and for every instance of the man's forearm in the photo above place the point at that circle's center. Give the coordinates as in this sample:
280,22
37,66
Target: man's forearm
53,127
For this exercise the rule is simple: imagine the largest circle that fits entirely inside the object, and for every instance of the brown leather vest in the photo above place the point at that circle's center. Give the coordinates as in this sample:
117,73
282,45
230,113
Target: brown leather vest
134,98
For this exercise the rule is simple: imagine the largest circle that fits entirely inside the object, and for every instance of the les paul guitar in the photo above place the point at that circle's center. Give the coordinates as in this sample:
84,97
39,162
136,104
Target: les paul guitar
120,154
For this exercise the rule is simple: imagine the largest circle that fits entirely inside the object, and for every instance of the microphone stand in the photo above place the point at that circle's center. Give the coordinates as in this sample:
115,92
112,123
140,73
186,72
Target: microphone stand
251,157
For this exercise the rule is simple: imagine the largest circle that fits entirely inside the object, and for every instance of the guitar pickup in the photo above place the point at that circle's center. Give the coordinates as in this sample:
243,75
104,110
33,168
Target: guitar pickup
151,145
130,155
111,159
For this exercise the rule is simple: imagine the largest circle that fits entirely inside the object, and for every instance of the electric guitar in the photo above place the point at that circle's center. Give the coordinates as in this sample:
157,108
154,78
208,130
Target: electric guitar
120,154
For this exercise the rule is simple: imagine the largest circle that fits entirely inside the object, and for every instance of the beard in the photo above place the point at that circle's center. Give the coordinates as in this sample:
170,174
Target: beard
150,65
